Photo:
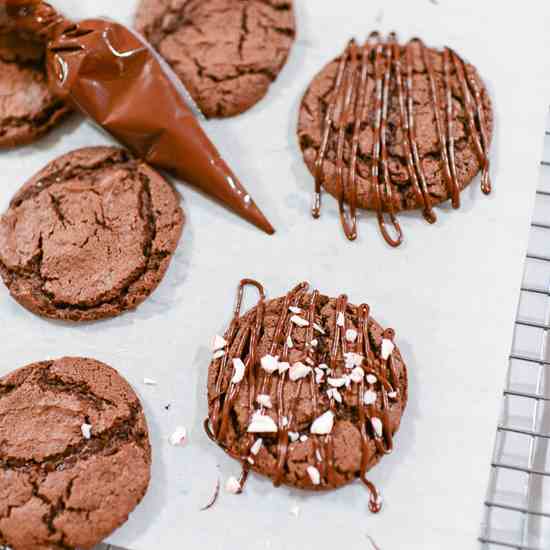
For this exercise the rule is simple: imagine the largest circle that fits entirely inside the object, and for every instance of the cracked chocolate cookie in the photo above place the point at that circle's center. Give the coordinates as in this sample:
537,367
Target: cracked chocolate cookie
226,52
306,389
27,108
75,457
90,236
390,127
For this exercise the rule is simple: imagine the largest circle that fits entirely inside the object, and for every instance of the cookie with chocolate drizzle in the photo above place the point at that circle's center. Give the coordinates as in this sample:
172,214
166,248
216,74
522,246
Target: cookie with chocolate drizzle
390,127
305,389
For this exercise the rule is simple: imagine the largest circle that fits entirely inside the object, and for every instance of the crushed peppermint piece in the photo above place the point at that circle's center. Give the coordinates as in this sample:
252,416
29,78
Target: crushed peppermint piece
369,398
289,342
333,393
387,348
353,360
323,366
86,430
284,421
310,361
283,367
314,343
178,438
324,424
295,511
250,460
269,363
149,382
294,436
294,309
238,373
341,320
319,375
351,335
337,382
255,449
357,375
264,400
371,379
218,343
218,354
233,486
377,426
303,438
299,371
318,456
318,328
299,321
314,475
262,423
392,395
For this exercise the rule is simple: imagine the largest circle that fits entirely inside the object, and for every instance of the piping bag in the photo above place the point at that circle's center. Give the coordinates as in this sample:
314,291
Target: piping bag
114,77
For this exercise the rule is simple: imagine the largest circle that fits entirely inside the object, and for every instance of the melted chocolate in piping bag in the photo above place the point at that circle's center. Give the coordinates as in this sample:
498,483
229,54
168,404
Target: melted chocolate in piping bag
114,77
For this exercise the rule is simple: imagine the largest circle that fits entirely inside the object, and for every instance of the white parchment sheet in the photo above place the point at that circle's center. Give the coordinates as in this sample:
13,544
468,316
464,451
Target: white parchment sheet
450,292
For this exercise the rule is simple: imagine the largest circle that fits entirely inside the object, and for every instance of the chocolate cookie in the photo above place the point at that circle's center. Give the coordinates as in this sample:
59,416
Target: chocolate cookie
306,389
226,52
75,457
387,127
90,236
28,109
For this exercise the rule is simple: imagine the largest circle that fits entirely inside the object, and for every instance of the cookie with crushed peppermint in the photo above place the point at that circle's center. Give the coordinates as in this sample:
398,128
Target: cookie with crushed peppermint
306,389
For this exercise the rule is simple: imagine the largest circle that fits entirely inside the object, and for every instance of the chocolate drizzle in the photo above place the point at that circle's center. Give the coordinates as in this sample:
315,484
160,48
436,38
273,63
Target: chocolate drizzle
374,371
355,102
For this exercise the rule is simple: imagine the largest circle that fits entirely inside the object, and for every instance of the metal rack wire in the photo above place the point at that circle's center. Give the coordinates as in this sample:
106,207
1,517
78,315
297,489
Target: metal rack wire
517,509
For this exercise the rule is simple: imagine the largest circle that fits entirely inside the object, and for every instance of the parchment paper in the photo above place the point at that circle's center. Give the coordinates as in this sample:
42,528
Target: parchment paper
450,292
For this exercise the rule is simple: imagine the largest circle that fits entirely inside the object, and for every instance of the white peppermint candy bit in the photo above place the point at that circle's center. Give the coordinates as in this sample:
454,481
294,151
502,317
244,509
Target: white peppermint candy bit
283,367
255,449
264,401
387,348
269,363
304,438
294,436
323,366
377,426
357,375
319,375
250,460
86,430
314,475
177,439
233,486
294,309
314,343
341,319
310,361
218,354
324,424
299,371
333,393
218,343
284,421
351,335
262,423
238,373
318,456
371,379
318,328
337,382
392,395
289,342
149,382
299,321
353,360
370,397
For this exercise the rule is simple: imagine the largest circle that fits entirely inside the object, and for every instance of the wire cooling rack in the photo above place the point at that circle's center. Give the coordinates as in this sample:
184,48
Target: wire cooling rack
517,509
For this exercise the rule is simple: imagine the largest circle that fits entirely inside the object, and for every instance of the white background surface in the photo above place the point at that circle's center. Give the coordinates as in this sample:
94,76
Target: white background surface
450,292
